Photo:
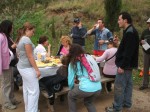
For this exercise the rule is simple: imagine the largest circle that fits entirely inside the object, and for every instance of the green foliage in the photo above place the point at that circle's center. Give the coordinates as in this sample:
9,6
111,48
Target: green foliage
12,9
112,8
53,28
53,18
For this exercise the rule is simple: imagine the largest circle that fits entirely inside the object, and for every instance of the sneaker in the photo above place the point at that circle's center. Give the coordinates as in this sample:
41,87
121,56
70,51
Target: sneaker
15,102
126,109
10,107
142,88
0,107
111,109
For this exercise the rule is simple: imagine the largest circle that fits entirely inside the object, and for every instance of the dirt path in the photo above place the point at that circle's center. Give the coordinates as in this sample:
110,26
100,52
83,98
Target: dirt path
141,102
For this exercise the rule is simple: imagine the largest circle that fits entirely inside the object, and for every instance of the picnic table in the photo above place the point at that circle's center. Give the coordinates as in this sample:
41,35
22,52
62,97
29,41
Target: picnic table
51,70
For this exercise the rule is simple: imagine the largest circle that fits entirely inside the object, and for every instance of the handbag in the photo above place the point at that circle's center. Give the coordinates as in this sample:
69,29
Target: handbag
14,61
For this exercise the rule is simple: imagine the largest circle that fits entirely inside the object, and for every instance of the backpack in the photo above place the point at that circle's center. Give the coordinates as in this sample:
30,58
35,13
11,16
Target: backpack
95,75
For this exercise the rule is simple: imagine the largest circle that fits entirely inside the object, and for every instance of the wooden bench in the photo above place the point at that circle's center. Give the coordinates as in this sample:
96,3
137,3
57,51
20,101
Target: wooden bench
65,90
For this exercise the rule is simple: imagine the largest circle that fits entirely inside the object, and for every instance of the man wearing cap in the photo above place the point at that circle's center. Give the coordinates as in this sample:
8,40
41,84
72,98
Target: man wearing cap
145,38
102,35
78,33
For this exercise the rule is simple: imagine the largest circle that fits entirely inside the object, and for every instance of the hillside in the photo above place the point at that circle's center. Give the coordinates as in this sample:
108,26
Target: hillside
54,17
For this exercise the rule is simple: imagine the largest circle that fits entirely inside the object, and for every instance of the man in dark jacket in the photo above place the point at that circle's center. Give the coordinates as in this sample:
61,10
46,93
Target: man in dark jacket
126,60
78,33
146,53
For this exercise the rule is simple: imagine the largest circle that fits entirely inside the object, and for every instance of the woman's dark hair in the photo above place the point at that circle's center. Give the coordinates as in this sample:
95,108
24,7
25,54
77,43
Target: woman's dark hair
75,54
127,16
6,27
42,39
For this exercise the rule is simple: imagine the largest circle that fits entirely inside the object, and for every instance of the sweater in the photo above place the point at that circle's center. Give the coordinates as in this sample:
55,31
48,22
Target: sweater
127,54
84,83
110,67
146,36
4,53
78,35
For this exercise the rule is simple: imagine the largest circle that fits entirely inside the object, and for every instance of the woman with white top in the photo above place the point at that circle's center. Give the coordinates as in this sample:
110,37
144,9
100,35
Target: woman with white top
42,43
28,69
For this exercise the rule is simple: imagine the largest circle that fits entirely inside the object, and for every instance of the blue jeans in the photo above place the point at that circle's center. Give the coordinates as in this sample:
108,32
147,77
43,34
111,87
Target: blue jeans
123,90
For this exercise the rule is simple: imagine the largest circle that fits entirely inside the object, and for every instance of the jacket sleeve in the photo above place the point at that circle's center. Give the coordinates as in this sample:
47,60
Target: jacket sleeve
83,32
129,48
103,57
142,37
71,76
109,35
78,32
0,55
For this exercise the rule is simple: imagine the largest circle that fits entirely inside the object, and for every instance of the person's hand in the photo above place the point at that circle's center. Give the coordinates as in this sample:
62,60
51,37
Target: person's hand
14,46
38,73
142,42
95,26
49,46
80,25
120,70
101,42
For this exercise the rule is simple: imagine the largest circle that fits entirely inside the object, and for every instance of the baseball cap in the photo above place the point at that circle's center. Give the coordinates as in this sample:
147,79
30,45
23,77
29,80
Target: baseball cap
76,20
148,21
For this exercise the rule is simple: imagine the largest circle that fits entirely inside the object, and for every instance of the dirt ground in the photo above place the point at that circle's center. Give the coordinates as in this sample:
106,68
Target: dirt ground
141,102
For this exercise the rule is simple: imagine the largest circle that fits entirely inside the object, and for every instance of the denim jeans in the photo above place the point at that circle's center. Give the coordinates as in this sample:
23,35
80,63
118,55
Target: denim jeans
123,90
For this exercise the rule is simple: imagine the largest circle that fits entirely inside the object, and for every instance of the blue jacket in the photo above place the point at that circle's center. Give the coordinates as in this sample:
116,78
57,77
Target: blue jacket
78,35
84,82
105,34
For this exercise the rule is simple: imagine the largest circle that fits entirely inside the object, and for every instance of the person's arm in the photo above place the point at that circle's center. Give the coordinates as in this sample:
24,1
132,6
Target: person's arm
0,55
83,32
48,50
71,76
92,30
29,52
142,41
103,57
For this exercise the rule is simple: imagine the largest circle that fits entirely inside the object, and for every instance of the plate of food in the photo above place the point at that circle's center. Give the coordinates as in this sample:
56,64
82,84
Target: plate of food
40,64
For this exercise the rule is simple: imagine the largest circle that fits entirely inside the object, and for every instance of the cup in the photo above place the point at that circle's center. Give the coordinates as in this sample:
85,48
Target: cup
39,57
43,56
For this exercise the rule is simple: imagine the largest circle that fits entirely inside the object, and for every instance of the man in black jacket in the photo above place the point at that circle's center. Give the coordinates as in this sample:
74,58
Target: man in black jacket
126,60
78,33
145,37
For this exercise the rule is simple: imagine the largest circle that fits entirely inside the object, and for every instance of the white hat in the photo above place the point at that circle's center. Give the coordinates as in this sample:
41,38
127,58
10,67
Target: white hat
148,21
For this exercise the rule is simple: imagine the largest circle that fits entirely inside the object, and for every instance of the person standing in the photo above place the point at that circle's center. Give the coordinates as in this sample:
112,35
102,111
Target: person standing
9,101
102,35
4,67
145,37
126,61
78,33
86,89
28,69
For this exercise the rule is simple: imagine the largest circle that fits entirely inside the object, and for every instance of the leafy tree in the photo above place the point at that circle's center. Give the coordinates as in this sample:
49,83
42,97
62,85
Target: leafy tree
113,8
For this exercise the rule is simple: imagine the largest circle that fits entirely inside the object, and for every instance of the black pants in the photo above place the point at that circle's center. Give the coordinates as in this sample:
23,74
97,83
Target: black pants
109,83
